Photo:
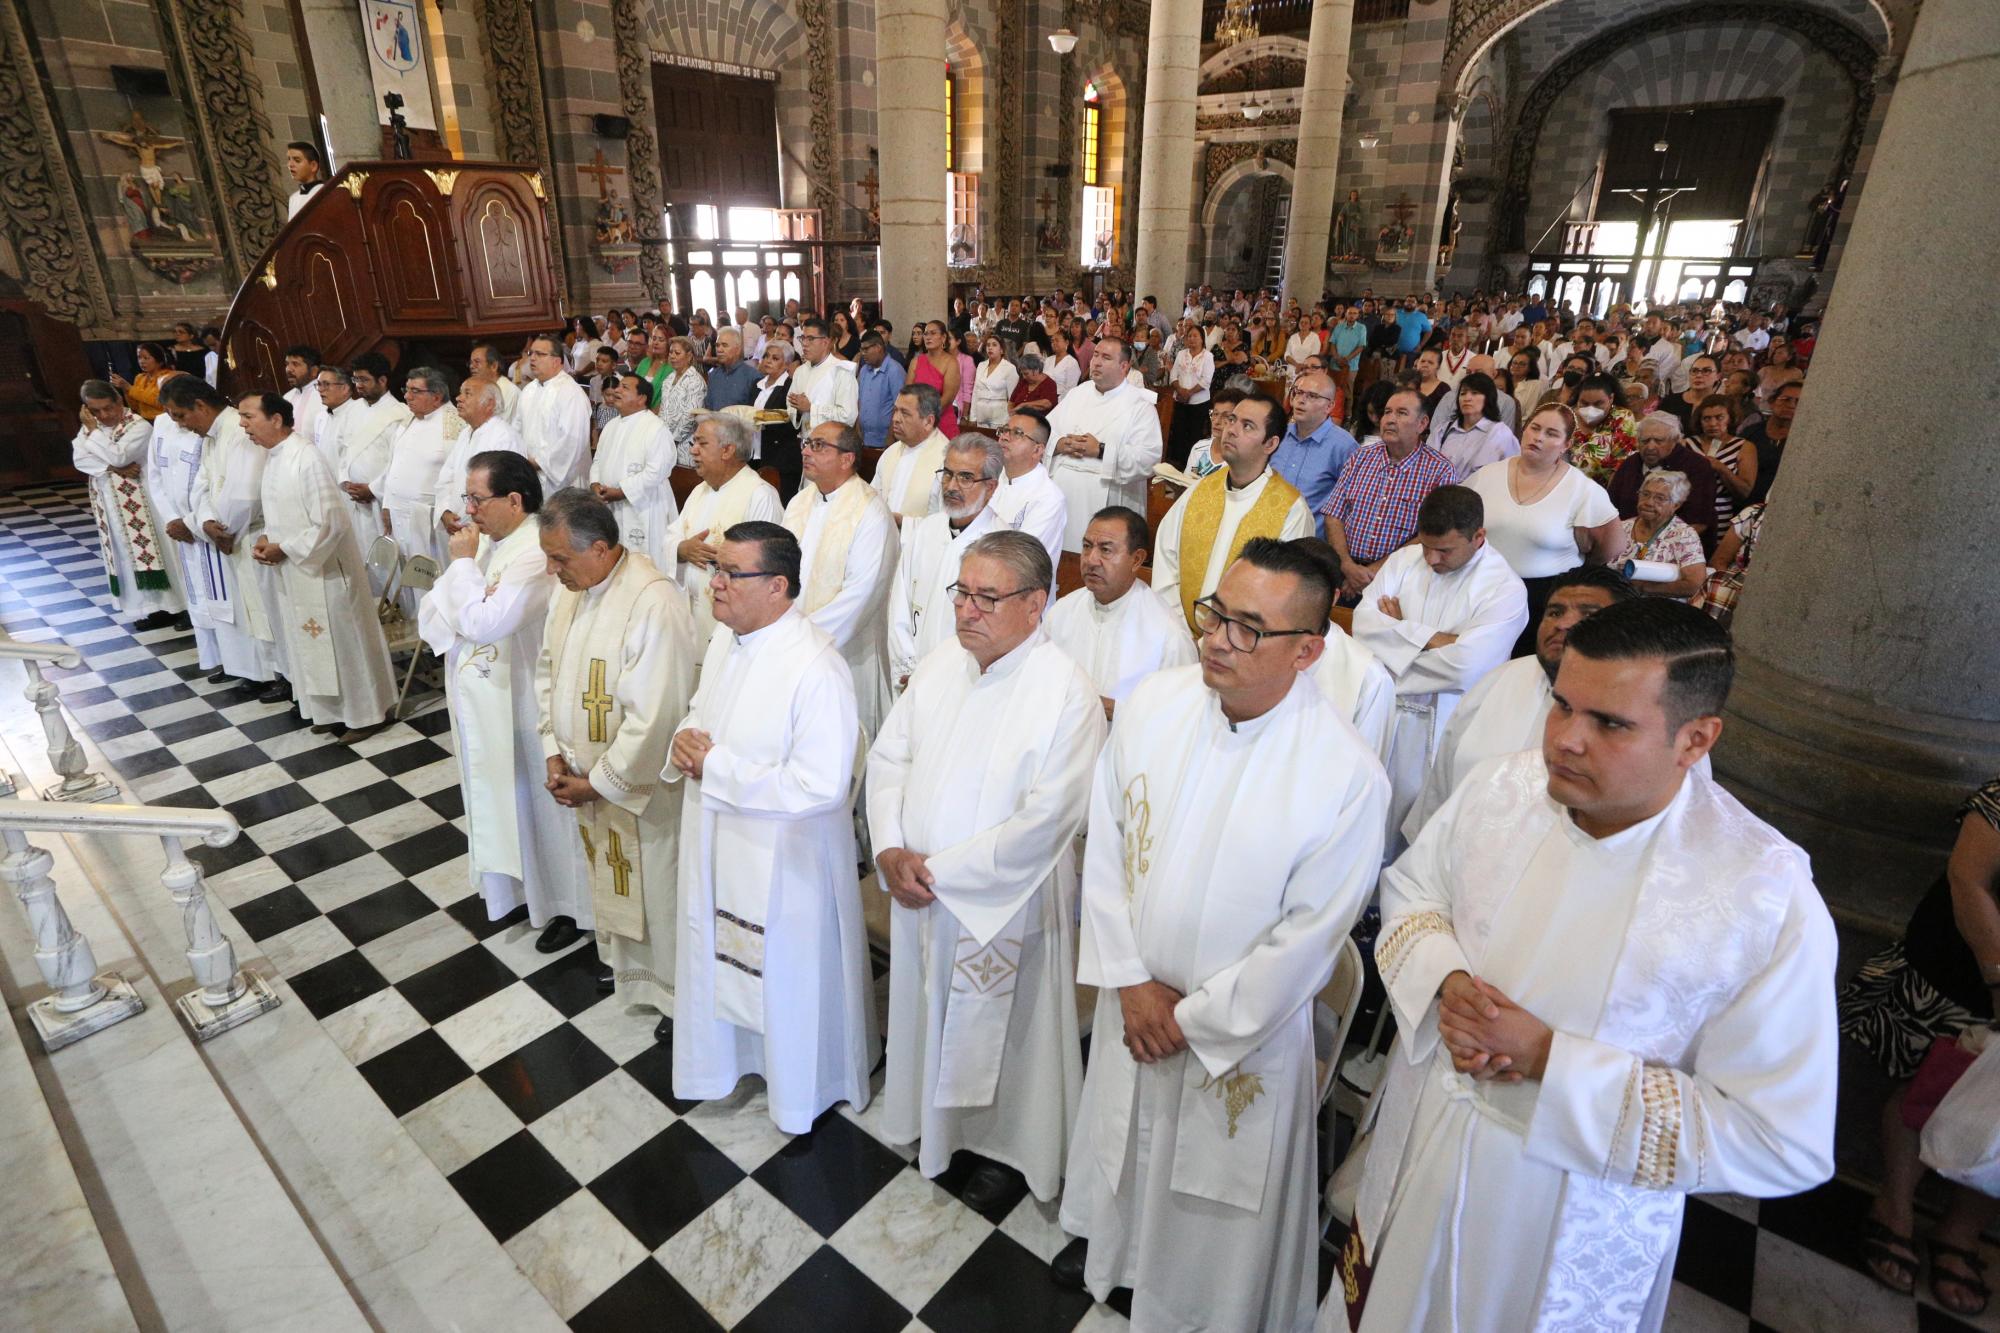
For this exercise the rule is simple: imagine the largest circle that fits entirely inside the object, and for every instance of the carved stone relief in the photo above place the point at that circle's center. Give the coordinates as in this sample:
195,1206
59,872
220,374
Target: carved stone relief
823,169
642,152
205,38
45,221
507,39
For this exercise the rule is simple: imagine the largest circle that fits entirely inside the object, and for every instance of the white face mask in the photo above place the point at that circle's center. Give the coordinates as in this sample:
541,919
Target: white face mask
1590,415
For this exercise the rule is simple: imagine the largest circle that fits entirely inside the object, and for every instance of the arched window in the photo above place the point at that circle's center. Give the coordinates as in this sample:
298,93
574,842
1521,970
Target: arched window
1097,240
1093,133
950,120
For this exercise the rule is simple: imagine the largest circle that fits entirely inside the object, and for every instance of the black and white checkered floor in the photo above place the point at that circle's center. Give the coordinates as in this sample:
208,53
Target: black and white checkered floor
551,1110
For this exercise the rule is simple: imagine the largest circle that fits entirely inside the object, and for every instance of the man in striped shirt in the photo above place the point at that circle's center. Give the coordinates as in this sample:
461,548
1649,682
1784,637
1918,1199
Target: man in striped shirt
1373,508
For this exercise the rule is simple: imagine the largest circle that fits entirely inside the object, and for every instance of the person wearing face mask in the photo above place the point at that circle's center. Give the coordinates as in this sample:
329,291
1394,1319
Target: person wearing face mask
1608,432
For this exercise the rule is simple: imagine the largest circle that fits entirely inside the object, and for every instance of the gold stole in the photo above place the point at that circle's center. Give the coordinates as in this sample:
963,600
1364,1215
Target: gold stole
586,716
846,508
916,500
1204,519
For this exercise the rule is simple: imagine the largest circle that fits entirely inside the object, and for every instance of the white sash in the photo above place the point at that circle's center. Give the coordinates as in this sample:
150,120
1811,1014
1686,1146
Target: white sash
846,508
315,668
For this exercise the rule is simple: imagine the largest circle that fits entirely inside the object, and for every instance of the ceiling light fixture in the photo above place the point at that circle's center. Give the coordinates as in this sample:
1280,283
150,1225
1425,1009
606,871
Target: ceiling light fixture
1062,41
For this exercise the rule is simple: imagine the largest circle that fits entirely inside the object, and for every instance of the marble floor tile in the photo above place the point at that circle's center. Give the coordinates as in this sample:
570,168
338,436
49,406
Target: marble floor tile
369,1027
446,883
1102,1319
246,883
1688,1311
740,1125
910,1238
620,1032
574,1252
202,747
275,835
339,885
602,1125
392,826
515,946
435,776
461,1124
1034,1224
304,947
483,1032
408,951
738,1251
338,781
246,782
1799,1292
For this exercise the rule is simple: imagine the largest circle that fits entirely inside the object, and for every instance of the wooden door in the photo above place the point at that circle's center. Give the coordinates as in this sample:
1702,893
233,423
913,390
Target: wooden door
718,137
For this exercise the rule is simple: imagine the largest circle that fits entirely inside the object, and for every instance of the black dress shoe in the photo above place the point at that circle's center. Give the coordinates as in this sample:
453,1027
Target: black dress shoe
220,678
182,621
157,620
560,933
607,980
1067,1267
663,1031
990,1184
326,728
275,693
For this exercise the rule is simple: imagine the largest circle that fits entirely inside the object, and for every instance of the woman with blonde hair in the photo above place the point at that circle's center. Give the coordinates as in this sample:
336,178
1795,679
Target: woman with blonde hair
680,396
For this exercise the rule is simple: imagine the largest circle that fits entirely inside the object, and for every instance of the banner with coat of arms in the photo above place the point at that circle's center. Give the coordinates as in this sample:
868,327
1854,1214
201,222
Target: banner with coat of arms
393,31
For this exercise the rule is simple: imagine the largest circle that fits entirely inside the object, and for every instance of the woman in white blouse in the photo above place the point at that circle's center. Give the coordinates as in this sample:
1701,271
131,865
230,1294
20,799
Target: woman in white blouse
681,394
584,343
993,384
1471,433
1301,344
1543,514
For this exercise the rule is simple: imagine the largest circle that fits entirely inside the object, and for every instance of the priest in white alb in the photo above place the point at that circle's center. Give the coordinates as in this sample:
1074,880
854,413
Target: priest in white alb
1236,825
906,475
345,412
977,788
1613,987
302,390
848,540
485,620
111,450
825,389
1244,498
407,485
553,418
227,511
338,659
920,606
1439,614
774,979
364,450
487,362
486,431
615,673
1114,626
1028,499
1105,440
1504,710
632,472
173,464
730,492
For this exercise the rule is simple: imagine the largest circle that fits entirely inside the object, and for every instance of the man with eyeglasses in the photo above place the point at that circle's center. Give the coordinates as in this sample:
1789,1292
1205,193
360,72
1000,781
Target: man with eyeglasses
407,483
906,475
1236,826
775,979
484,619
614,676
919,600
481,408
1439,614
1504,710
848,540
1242,499
553,418
1314,448
977,788
823,387
1027,498
632,470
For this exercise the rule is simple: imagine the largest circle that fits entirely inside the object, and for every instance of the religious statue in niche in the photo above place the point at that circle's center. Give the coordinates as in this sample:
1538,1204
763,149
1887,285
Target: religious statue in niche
1823,222
166,223
1345,240
1394,240
616,242
1448,247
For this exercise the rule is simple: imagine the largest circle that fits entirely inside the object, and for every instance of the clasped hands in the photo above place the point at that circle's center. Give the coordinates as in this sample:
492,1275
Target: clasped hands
568,788
690,750
1080,446
267,552
1151,1031
907,876
1489,1036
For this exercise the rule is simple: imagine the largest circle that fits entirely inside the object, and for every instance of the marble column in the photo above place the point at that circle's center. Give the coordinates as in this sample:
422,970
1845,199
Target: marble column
1319,150
909,120
332,35
1867,703
1166,183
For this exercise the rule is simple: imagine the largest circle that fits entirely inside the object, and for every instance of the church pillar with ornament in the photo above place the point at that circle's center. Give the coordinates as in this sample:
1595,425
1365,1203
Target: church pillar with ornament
1867,699
910,120
1167,151
1313,175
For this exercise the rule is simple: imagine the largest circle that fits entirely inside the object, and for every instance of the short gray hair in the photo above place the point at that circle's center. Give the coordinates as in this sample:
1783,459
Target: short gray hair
341,374
733,433
930,403
98,391
1022,553
991,462
1666,421
587,519
786,352
1677,483
431,378
477,391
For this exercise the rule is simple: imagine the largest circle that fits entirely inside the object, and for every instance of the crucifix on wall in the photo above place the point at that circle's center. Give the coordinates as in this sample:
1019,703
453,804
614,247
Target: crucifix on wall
604,171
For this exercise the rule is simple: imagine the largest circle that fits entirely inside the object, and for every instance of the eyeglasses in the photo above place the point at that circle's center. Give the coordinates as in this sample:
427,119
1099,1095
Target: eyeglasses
473,502
986,603
1240,635
722,578
819,447
963,478
1006,431
1304,395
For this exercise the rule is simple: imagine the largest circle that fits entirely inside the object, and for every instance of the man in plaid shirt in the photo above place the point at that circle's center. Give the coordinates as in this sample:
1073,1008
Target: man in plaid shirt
1373,508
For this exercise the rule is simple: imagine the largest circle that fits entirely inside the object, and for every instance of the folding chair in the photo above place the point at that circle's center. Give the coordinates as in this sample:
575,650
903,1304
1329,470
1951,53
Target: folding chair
419,574
385,563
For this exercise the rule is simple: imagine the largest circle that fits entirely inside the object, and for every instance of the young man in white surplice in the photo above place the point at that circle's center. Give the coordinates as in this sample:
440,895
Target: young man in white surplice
977,788
1236,825
485,618
1613,987
1439,614
632,471
326,615
774,977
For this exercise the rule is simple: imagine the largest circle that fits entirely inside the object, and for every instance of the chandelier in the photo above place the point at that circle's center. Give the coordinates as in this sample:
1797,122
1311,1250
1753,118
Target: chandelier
1235,25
